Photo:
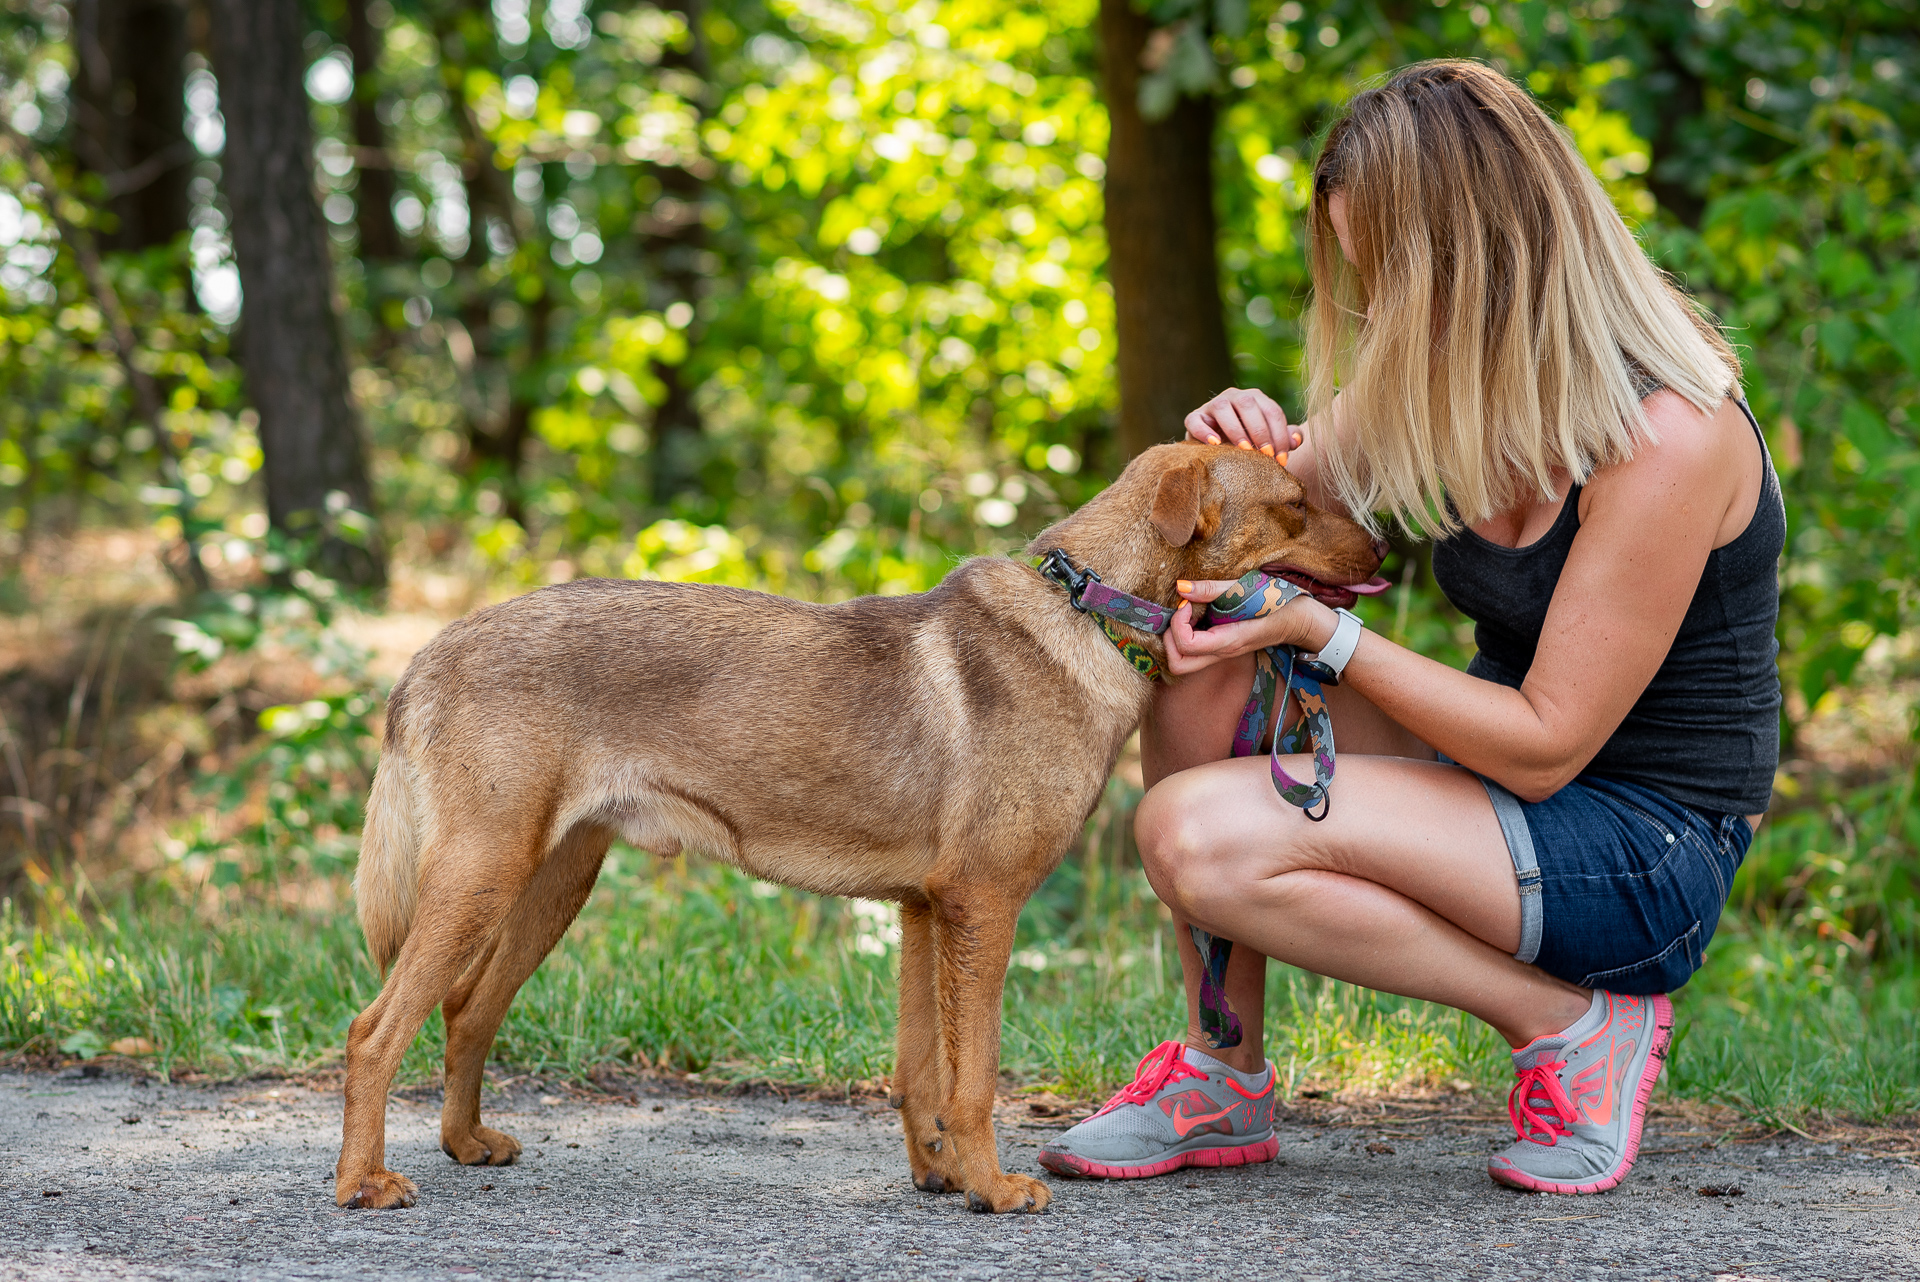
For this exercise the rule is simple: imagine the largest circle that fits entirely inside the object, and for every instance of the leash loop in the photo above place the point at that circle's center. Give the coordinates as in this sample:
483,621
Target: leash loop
1280,672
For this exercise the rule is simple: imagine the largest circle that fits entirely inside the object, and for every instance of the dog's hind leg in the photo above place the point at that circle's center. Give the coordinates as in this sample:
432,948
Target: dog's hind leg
466,889
480,1000
974,937
918,1088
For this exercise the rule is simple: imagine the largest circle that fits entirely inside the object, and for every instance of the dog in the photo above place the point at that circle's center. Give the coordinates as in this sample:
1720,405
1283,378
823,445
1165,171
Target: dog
940,751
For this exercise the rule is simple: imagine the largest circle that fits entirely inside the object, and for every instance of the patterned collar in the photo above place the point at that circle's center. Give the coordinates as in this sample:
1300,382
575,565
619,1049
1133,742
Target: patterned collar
1109,607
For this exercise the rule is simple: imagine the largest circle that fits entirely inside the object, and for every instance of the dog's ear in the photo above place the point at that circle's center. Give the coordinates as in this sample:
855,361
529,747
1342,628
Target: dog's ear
1176,503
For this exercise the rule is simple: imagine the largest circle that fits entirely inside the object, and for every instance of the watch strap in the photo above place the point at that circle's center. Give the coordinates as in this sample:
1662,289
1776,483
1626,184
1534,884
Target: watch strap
1346,638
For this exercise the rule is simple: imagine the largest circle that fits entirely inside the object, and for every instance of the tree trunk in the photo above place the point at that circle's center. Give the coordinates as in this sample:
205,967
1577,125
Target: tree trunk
672,241
129,123
289,343
373,203
1676,174
1160,245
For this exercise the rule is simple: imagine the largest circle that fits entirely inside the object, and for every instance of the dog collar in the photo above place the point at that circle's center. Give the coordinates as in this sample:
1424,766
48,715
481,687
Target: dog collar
1109,607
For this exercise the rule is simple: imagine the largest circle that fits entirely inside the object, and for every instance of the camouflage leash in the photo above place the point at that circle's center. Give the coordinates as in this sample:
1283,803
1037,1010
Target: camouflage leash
1277,669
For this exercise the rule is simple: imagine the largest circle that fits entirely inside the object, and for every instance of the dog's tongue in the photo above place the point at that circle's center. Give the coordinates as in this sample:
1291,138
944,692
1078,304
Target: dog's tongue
1372,587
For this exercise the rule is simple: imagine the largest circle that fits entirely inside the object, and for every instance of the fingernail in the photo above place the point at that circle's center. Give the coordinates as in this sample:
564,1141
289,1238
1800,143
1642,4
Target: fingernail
1281,459
1267,450
1213,440
1185,589
1246,445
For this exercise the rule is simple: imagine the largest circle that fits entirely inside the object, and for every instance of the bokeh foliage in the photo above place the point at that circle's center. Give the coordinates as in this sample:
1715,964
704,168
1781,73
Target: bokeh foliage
810,295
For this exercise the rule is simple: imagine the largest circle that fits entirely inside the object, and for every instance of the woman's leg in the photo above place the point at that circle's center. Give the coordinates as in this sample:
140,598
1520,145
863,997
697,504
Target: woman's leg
1407,887
1191,724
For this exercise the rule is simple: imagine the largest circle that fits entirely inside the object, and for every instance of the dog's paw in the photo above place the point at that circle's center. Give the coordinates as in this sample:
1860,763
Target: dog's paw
480,1146
1010,1193
376,1190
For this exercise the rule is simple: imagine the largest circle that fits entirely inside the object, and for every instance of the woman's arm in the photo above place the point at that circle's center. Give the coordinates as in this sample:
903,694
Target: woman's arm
1628,580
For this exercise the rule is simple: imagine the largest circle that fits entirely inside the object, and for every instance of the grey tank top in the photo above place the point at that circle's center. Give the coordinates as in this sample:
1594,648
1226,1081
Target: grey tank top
1706,730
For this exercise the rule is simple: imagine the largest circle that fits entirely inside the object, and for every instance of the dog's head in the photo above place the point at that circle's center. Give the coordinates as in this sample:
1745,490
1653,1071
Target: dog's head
1192,511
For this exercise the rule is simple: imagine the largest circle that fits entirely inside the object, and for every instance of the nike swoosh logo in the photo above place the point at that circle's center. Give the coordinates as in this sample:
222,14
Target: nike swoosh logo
1596,1083
1184,1123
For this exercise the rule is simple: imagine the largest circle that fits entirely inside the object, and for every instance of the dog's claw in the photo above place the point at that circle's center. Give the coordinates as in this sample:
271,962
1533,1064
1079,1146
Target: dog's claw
931,1183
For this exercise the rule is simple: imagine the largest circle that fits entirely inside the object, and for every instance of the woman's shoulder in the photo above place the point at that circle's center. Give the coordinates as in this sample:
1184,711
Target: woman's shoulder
1685,456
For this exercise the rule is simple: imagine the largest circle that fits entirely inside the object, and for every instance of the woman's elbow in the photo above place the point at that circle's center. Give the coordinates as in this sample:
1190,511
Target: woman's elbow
1533,784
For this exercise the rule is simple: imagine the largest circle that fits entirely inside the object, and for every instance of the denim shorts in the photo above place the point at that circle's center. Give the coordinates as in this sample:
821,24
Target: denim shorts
1620,887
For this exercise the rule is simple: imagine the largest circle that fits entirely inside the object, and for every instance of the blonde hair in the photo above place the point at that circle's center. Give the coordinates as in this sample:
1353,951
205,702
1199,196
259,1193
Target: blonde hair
1515,321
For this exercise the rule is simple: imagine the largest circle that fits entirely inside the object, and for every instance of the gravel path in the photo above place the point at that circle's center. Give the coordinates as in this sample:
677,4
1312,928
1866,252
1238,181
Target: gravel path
112,1177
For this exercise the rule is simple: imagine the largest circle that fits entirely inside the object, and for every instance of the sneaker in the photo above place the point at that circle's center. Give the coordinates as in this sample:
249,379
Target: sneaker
1184,1108
1582,1097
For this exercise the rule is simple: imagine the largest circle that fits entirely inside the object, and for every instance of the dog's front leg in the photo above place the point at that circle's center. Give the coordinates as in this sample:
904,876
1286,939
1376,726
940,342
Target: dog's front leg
918,1088
973,939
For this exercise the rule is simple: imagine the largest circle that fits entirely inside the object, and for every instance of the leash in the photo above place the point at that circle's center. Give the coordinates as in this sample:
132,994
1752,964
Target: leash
1279,671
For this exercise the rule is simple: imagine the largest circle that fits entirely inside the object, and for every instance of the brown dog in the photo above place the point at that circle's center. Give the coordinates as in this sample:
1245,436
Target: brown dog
940,750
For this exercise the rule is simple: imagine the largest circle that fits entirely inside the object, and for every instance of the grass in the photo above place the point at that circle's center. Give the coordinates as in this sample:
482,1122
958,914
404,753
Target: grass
700,969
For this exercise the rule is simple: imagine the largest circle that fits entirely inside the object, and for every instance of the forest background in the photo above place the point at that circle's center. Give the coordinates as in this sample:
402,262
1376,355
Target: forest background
325,322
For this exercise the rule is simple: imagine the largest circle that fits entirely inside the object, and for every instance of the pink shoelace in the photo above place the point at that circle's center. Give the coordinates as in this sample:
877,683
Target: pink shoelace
1164,1063
1538,1105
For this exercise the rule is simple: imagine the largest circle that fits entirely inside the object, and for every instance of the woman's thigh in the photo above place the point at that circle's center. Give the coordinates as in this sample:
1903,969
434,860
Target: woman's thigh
1423,829
1192,719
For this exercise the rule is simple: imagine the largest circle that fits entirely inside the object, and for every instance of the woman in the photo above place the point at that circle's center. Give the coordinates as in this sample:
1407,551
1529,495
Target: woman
1547,839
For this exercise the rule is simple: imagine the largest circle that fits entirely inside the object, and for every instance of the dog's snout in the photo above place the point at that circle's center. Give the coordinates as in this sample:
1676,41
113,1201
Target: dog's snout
1380,549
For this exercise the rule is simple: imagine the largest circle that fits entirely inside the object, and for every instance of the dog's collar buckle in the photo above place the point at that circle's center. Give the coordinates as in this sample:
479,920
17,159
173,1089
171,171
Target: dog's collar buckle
1056,567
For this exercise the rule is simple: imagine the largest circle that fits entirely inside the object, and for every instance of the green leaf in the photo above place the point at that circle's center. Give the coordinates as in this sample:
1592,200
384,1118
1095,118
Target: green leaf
1830,666
84,1044
1837,339
1868,431
1901,330
1158,93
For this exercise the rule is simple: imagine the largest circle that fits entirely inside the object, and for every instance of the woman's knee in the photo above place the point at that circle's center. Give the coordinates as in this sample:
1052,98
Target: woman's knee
1183,862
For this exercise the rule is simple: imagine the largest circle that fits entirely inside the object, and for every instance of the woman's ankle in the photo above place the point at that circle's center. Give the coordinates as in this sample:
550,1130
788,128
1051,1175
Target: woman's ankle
1247,1057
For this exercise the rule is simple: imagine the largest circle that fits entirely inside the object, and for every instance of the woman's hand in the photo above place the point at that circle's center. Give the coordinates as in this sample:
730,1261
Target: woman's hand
1302,622
1246,417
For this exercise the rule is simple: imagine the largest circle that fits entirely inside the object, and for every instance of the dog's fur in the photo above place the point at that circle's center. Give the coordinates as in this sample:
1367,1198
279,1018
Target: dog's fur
940,751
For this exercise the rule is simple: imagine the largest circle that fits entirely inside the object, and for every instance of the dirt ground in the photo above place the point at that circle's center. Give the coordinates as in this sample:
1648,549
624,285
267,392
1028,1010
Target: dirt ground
115,1176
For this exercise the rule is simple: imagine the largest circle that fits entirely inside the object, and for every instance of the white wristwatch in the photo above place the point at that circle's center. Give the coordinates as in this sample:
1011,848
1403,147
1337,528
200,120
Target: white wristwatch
1346,636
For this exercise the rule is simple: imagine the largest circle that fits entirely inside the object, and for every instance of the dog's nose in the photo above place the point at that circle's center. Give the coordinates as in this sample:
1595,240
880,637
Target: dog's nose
1380,549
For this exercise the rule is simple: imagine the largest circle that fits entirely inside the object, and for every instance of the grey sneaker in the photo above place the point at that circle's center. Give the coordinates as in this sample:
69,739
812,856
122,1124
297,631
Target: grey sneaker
1582,1097
1173,1115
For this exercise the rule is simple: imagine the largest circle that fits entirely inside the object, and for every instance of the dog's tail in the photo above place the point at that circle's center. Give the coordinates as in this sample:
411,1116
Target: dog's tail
388,879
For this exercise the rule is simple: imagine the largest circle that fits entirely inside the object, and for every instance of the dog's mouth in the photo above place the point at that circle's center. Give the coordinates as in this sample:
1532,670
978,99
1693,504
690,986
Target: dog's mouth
1337,595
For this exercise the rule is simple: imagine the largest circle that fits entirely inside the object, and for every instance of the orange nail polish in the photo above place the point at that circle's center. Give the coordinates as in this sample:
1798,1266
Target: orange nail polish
1281,459
1267,450
1183,587
1246,445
